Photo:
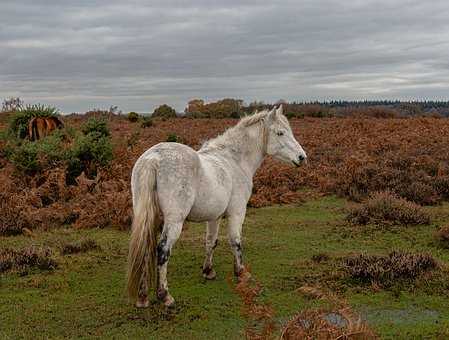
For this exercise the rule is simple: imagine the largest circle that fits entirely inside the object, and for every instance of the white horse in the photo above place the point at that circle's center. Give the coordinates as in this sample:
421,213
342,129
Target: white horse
172,183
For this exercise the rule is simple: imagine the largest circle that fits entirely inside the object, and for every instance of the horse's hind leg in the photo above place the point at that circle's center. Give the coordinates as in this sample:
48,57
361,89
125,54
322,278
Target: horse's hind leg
170,234
211,244
142,300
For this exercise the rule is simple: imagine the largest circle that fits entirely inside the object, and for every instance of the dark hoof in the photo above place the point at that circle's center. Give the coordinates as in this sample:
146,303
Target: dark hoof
165,297
142,302
210,275
169,302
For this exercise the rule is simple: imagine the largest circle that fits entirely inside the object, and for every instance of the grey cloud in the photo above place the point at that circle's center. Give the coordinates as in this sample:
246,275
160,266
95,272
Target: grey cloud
138,54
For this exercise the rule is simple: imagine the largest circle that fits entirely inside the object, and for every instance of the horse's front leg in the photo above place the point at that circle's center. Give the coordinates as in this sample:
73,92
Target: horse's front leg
235,222
211,243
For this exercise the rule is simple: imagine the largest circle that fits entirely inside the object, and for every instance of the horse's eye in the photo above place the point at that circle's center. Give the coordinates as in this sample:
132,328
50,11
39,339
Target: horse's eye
280,133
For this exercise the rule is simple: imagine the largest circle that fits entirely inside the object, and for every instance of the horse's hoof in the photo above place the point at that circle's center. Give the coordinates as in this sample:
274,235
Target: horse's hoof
164,296
210,275
143,303
243,275
169,302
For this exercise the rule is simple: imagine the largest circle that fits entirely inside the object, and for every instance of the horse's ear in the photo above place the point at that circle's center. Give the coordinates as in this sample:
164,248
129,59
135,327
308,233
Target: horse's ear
272,115
280,110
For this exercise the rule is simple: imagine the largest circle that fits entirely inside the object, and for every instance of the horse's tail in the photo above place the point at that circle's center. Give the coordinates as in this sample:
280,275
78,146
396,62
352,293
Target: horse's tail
32,129
142,246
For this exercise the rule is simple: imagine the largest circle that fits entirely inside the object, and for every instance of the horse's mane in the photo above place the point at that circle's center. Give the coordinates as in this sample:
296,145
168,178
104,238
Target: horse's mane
235,134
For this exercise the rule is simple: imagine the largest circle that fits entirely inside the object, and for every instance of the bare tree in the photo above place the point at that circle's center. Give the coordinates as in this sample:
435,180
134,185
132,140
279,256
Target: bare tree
12,104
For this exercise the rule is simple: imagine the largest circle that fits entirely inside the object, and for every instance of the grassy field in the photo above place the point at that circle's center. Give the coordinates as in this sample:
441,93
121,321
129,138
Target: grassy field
85,296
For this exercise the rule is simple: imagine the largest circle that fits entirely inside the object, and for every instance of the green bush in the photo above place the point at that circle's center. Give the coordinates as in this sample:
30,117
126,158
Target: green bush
147,122
74,168
31,157
88,152
172,137
97,126
18,125
164,111
133,117
93,148
25,157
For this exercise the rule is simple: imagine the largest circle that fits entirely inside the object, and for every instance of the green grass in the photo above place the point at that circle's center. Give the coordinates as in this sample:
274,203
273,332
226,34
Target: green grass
85,296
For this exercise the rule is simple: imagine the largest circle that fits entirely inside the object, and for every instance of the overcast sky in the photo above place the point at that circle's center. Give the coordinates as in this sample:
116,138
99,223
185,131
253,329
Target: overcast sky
138,54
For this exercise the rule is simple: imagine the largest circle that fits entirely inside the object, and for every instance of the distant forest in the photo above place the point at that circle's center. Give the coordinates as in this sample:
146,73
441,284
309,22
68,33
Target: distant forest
234,108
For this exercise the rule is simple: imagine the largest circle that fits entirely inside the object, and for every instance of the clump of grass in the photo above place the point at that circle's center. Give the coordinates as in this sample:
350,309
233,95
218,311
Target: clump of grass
321,257
174,138
386,208
27,258
79,247
442,236
386,270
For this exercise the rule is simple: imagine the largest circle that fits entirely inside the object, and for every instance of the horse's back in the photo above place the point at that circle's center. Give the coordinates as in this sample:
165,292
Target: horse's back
176,178
193,185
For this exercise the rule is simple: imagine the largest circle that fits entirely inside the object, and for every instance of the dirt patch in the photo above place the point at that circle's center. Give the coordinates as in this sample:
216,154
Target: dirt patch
260,317
338,321
442,237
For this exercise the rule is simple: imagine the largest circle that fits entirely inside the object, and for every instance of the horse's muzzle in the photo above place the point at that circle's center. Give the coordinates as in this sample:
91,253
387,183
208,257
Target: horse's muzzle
301,159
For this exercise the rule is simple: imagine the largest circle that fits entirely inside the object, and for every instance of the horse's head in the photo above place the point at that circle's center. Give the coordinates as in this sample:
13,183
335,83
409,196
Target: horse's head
281,143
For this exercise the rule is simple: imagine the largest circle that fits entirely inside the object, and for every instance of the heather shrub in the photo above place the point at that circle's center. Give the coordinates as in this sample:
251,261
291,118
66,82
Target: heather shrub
12,218
79,246
406,176
386,208
27,258
419,192
133,117
18,125
441,186
385,270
